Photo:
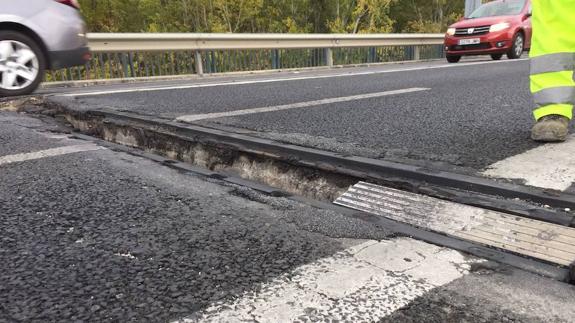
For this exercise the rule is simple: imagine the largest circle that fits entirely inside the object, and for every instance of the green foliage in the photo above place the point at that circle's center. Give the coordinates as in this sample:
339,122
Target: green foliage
426,15
276,16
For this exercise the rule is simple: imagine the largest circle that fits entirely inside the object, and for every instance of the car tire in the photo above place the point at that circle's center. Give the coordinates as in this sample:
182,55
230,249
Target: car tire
22,64
453,58
517,48
496,57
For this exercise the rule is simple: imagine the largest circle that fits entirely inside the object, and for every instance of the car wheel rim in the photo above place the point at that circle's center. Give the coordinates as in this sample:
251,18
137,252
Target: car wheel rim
19,66
519,46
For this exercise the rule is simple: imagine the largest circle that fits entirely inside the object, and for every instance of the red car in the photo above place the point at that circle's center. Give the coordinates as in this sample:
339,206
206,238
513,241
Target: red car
496,28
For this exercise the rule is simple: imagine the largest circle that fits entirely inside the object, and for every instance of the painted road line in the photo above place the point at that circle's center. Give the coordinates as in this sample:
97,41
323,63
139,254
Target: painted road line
361,284
196,117
274,80
550,166
537,239
4,160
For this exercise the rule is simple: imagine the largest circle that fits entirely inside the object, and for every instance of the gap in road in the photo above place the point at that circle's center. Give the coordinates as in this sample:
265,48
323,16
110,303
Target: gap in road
288,168
466,121
221,159
455,266
391,274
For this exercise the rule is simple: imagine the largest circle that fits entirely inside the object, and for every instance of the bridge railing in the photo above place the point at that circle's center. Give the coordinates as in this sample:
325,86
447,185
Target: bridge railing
134,55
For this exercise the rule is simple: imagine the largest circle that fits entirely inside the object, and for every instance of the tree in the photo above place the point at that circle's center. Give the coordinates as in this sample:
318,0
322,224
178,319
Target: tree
426,15
280,16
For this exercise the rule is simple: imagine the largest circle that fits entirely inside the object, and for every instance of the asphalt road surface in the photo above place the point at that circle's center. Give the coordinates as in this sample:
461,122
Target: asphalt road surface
473,117
96,235
471,114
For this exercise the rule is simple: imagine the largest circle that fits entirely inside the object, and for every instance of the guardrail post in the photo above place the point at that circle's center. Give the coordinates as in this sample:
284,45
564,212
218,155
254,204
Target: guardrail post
328,57
213,67
275,59
416,53
372,57
102,66
198,63
131,65
124,63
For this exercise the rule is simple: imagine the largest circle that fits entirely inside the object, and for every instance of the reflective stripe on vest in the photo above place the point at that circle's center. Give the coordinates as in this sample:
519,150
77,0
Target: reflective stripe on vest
555,95
550,63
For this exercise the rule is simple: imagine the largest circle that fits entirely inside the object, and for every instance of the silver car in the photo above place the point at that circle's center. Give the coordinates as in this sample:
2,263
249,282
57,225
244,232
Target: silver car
36,35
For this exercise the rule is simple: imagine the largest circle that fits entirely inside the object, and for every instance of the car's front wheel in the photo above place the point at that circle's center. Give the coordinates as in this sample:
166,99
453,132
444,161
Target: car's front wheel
496,57
22,64
516,50
453,58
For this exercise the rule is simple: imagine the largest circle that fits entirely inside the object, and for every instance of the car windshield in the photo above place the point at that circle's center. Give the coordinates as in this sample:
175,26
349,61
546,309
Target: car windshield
502,8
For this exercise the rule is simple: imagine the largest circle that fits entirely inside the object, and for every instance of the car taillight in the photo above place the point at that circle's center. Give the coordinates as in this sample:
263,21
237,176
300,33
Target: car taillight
71,3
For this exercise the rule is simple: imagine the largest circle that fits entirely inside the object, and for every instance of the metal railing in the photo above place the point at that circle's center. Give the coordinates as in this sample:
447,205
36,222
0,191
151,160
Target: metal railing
151,55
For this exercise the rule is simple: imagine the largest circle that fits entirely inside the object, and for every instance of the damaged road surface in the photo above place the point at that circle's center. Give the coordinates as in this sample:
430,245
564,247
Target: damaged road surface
166,203
93,234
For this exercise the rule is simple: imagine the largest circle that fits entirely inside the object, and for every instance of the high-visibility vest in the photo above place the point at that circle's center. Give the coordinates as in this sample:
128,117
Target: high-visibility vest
553,57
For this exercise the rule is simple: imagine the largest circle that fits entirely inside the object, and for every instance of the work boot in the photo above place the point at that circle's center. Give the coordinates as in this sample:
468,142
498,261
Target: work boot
551,128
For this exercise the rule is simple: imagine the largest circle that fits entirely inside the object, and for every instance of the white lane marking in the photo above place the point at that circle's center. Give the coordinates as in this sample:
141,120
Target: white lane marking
196,117
361,284
274,80
550,166
48,153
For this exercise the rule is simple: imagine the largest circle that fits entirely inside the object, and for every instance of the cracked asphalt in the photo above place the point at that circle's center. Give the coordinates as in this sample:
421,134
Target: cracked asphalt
106,236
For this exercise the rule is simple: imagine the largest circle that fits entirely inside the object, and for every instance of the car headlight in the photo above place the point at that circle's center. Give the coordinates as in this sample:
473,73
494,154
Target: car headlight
499,27
451,31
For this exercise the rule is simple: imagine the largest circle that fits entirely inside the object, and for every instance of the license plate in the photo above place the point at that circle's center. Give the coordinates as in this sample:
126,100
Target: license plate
471,41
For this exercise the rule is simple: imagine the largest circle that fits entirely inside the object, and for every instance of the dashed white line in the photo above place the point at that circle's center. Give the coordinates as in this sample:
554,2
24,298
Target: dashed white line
274,80
550,166
361,284
10,159
196,117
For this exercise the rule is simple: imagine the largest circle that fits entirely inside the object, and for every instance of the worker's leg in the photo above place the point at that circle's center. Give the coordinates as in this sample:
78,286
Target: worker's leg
552,67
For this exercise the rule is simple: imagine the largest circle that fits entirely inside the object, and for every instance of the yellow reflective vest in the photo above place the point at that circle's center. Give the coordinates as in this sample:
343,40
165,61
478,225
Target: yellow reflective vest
553,57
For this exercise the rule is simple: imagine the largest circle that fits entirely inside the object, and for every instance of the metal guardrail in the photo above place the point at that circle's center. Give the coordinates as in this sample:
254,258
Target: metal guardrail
154,54
162,42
